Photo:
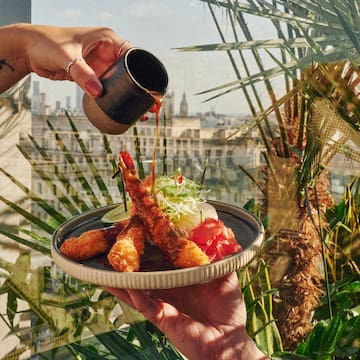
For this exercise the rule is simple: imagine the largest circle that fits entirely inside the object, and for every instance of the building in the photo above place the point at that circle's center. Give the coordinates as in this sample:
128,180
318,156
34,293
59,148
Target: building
184,109
79,94
35,105
182,143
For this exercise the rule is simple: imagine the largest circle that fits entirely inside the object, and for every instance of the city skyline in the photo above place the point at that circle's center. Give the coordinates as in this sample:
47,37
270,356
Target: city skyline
41,105
73,105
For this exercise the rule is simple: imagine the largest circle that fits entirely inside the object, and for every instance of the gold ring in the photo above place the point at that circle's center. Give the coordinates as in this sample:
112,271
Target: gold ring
121,47
71,63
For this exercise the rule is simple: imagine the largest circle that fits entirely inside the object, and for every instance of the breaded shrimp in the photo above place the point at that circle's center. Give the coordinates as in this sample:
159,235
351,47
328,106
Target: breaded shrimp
179,251
91,243
129,246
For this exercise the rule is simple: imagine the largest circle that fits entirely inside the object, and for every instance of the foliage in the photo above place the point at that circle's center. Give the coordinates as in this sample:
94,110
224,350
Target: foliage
343,236
258,295
314,55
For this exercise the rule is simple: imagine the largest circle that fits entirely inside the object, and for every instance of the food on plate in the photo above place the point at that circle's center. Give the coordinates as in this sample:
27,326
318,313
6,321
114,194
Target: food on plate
91,243
126,253
168,213
178,250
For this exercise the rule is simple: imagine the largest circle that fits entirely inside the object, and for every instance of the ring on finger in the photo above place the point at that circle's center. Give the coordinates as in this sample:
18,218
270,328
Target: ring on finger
71,63
122,47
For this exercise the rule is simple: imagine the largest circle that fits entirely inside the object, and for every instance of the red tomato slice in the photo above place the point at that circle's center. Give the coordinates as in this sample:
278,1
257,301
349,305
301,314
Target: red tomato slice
205,232
215,239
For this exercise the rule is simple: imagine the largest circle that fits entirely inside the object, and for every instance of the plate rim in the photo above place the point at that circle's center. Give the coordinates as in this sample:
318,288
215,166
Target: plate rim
163,278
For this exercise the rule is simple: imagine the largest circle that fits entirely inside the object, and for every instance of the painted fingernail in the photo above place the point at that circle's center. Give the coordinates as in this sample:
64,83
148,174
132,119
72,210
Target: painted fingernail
93,87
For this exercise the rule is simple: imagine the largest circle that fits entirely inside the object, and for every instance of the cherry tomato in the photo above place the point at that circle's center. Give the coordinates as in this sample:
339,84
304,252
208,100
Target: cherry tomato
215,239
179,179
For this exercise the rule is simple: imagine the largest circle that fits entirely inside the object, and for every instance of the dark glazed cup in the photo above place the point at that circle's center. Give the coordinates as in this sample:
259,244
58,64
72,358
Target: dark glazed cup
131,87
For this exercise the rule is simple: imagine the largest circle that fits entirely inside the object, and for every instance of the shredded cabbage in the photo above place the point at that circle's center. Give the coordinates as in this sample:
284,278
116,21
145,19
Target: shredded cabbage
178,197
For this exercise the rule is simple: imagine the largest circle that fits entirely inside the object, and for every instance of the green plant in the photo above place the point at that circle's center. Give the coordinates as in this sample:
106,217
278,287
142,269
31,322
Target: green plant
337,336
314,55
343,237
258,295
312,51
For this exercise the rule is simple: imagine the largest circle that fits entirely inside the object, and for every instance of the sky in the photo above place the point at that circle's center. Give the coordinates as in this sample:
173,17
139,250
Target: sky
160,26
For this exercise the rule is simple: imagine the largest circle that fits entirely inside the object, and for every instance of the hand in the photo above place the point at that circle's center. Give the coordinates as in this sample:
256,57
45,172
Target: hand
50,49
47,51
206,321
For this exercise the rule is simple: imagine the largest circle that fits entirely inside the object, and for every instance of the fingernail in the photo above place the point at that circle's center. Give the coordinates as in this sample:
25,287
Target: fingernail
93,87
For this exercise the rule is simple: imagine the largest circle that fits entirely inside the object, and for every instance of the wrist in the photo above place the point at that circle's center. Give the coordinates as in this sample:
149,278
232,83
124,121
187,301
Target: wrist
16,35
13,55
22,34
242,348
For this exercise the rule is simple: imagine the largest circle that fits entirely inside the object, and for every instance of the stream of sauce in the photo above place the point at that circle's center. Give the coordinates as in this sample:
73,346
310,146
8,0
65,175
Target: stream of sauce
156,110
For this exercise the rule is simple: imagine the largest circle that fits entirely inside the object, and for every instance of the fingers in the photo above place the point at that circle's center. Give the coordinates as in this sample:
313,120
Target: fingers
100,48
121,294
154,310
80,72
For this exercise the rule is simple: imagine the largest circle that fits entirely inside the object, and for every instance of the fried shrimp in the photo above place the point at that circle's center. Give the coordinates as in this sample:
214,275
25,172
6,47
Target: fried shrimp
91,243
129,246
181,252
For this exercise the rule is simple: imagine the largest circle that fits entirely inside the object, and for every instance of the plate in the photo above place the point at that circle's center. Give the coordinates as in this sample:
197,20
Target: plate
155,273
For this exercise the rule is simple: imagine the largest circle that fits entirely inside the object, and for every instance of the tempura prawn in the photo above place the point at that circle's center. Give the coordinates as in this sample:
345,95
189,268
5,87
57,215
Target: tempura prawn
129,246
180,251
91,243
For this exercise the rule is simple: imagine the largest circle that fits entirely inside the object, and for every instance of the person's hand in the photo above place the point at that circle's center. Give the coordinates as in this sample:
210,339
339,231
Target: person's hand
80,54
206,321
86,52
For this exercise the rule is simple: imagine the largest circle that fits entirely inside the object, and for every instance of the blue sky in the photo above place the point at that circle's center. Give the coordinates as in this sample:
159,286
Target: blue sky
159,26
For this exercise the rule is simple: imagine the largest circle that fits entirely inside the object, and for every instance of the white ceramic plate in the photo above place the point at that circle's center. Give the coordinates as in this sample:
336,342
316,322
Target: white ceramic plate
248,230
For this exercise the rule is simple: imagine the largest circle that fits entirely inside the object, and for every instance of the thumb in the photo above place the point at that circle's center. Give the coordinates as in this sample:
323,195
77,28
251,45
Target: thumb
85,77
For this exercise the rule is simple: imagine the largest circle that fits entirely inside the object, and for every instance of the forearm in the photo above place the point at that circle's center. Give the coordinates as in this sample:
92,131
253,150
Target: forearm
13,58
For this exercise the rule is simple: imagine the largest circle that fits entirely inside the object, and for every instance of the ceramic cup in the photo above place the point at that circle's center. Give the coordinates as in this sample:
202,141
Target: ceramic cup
131,87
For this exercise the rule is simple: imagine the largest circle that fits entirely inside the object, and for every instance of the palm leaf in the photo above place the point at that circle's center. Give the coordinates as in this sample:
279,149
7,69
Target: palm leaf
45,250
90,162
49,180
296,43
82,179
238,75
63,179
118,346
27,215
113,163
318,46
31,195
289,67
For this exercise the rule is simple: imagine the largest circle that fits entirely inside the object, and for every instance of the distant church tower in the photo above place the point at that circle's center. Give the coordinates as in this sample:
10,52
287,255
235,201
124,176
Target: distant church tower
168,104
184,106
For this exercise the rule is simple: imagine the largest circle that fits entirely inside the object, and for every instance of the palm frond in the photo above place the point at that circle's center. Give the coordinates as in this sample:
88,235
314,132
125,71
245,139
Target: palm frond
45,250
28,215
296,43
79,174
39,201
61,177
51,182
90,162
